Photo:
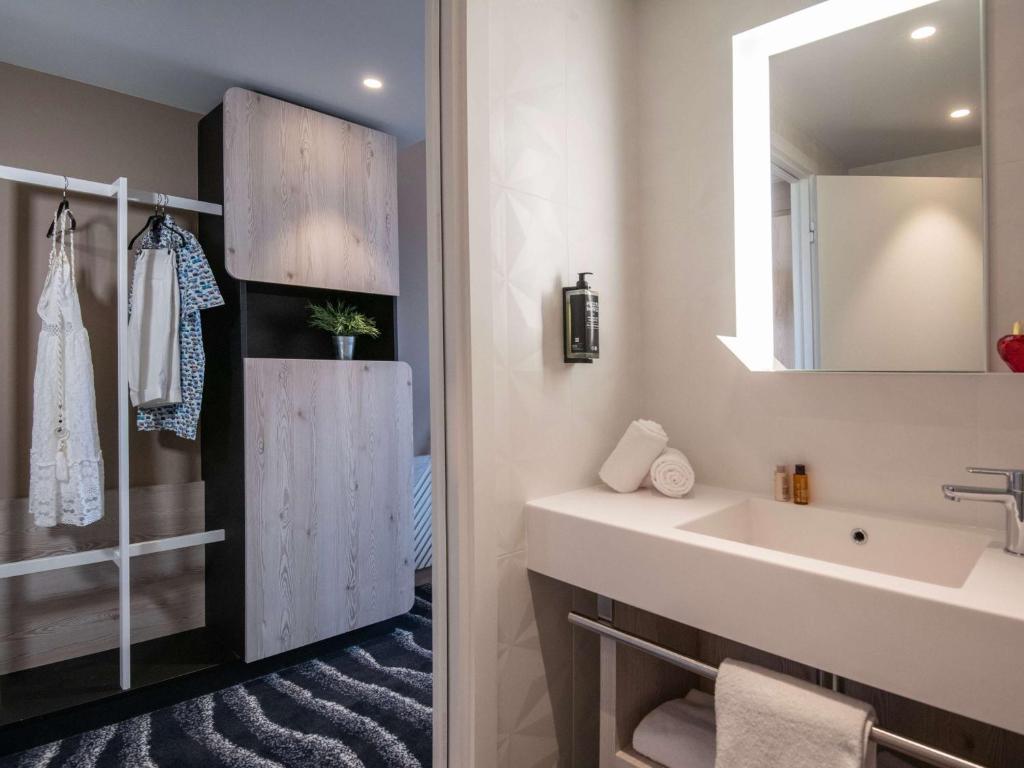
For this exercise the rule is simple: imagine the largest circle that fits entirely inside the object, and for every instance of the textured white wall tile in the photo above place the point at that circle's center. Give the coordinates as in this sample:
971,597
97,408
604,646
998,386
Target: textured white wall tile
561,195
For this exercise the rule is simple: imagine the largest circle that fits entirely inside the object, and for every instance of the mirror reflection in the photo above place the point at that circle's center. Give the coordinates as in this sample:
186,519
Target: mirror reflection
878,223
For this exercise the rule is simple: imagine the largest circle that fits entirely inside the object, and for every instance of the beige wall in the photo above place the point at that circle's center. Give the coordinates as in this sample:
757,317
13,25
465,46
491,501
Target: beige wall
413,340
561,186
60,126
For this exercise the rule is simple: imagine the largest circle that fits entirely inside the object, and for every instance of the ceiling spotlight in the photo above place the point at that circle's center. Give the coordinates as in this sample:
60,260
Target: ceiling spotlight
960,114
921,33
373,83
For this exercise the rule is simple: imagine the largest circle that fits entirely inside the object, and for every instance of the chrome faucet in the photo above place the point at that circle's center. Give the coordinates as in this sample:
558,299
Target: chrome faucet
1011,497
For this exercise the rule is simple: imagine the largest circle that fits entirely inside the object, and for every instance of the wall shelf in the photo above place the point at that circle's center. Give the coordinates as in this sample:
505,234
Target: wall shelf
276,322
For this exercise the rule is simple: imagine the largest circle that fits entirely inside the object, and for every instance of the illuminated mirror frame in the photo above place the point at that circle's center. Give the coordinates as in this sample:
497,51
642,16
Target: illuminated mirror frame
754,342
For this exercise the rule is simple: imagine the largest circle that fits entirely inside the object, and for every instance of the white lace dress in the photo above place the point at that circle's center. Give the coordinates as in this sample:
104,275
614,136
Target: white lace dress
66,468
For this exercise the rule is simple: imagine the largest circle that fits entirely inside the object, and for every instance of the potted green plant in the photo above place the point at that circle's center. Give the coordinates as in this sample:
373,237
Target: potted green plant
344,322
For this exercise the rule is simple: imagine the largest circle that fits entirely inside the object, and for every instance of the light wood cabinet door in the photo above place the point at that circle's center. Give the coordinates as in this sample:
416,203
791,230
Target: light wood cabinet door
328,534
309,199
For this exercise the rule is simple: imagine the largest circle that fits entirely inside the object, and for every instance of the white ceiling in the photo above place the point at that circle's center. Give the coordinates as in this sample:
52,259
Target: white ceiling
186,53
872,94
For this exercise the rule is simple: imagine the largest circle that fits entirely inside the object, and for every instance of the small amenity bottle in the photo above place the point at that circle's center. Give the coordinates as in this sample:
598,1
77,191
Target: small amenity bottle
782,486
801,493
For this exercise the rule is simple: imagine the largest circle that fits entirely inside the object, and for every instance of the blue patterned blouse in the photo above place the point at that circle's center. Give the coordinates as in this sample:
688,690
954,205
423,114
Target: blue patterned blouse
198,291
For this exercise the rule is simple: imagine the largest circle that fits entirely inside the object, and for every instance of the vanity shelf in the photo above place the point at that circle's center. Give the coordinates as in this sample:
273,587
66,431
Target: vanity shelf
708,597
628,758
628,661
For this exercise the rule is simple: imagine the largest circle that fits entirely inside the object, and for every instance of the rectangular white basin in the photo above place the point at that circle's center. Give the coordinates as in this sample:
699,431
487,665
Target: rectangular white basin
937,554
931,612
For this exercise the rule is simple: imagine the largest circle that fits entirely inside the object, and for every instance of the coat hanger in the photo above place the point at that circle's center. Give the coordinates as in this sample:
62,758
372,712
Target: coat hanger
155,221
64,206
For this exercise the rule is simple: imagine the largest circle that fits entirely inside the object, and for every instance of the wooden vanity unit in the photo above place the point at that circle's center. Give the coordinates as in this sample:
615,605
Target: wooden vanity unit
308,459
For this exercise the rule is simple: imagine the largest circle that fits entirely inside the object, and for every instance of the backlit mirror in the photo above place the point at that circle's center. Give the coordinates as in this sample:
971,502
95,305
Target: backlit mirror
877,237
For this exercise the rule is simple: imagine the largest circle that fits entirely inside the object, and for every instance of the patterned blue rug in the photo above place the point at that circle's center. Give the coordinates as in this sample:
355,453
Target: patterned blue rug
365,705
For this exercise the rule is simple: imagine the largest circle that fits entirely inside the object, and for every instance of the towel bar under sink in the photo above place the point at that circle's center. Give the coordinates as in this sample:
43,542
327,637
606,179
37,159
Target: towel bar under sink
880,736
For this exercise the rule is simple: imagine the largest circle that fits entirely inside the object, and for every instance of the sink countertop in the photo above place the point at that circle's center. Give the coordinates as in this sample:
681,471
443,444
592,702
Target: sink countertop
957,648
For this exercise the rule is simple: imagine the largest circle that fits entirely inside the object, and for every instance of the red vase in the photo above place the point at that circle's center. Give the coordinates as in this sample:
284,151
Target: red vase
1011,349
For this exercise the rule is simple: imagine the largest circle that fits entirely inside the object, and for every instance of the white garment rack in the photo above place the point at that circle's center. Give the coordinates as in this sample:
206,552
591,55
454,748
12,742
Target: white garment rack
118,189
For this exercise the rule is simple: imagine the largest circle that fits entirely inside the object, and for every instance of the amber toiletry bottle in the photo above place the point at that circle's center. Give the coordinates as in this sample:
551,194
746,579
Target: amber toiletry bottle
801,493
782,485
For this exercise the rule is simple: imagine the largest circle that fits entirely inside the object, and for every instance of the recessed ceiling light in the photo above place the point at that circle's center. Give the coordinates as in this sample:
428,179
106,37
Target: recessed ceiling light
959,114
373,83
922,33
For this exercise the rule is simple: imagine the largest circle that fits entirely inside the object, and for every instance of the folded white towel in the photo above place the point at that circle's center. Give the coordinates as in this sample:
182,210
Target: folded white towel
769,720
671,474
679,733
631,460
704,704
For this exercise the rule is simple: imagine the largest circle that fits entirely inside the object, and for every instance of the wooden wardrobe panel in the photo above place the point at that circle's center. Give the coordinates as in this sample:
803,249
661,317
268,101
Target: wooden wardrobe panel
309,199
328,463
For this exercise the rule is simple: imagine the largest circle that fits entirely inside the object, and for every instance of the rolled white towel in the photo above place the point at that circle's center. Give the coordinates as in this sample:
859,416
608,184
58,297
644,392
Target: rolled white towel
631,460
671,474
679,733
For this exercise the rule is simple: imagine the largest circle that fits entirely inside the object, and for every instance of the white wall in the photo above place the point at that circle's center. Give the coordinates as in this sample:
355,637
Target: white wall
562,196
900,273
412,269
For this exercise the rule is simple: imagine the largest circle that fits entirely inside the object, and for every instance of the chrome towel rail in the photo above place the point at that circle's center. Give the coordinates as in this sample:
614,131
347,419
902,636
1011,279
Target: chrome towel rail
880,736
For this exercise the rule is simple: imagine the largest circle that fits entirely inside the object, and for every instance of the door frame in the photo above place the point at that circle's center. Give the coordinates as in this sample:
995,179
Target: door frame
461,661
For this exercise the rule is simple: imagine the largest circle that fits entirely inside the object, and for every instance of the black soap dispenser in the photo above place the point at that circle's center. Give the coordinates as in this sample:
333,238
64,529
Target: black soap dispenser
580,316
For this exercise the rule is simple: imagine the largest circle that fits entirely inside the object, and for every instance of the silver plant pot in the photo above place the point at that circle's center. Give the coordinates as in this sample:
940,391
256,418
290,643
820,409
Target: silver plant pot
344,347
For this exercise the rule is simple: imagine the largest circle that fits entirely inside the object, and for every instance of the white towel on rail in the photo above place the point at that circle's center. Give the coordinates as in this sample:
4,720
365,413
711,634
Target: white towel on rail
631,460
679,733
769,720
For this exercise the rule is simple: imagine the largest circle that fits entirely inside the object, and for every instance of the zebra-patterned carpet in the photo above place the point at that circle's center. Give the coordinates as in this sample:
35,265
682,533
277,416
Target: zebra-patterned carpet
366,705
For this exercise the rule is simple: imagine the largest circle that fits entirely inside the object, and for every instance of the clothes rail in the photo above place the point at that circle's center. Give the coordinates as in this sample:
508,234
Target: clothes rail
880,736
105,189
117,189
172,201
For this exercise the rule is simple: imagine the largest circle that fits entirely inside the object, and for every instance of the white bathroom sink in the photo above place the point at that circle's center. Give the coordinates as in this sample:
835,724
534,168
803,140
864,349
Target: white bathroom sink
931,612
937,554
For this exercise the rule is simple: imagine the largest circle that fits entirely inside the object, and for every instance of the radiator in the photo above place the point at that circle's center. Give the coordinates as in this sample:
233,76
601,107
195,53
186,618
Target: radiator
422,521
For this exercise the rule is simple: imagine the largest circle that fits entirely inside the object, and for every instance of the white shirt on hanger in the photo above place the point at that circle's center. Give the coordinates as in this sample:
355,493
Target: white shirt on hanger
154,355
